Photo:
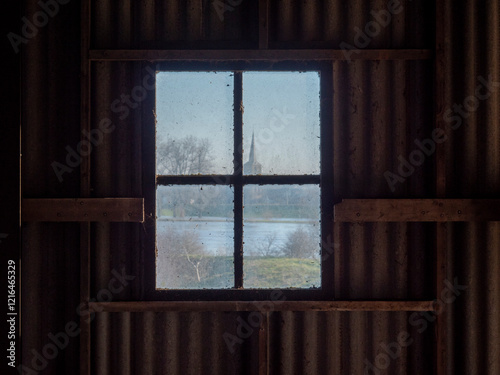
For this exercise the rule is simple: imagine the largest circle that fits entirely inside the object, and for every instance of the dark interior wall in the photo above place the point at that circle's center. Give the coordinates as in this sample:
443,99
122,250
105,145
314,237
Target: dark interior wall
50,124
380,108
473,170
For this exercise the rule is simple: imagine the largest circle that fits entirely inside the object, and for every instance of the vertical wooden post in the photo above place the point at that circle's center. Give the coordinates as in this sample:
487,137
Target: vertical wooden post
263,24
440,178
85,352
264,345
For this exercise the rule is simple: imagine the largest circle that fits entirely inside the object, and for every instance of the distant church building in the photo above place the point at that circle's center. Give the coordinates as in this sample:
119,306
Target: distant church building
252,166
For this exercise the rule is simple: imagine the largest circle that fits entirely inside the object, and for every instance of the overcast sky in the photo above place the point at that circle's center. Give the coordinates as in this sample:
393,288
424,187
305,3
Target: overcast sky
282,108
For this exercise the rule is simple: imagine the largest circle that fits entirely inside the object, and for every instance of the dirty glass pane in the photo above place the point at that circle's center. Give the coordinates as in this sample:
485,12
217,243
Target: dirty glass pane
281,235
194,114
194,237
281,131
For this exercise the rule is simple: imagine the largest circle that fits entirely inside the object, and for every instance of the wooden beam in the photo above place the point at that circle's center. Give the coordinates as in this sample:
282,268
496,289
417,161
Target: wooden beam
263,306
264,345
85,318
406,210
260,55
76,206
263,24
441,72
83,210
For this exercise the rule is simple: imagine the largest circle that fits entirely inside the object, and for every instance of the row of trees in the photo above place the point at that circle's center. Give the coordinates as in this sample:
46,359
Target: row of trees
301,243
192,155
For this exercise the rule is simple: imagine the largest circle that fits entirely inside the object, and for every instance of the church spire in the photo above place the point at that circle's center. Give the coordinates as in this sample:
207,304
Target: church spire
251,157
252,166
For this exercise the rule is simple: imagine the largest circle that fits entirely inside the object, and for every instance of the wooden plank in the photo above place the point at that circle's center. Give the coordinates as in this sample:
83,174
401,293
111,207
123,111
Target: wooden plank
441,260
440,277
85,320
421,210
159,306
230,179
264,345
85,118
256,55
263,24
83,209
327,181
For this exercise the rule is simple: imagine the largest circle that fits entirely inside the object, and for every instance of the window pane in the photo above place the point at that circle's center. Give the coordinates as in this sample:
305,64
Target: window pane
194,236
281,236
194,113
281,123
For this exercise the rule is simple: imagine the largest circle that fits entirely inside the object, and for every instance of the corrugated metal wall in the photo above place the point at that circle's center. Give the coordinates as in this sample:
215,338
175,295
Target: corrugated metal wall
473,170
380,108
50,252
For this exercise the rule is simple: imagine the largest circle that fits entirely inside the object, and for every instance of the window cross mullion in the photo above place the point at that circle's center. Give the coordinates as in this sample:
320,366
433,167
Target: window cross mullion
238,180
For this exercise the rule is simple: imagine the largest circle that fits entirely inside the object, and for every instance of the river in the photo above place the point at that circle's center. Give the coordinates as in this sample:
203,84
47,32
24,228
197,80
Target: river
217,234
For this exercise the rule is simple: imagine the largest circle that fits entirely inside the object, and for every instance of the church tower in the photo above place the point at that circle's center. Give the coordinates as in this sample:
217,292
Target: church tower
252,166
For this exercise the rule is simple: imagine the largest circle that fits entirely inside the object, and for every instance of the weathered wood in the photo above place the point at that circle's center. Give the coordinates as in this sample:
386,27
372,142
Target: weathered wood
85,318
264,345
256,55
83,209
441,240
230,179
36,207
263,306
263,24
405,210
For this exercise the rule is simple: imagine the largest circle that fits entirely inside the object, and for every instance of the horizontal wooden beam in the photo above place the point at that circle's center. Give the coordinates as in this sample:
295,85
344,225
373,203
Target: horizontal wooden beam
231,180
83,209
405,210
260,55
159,306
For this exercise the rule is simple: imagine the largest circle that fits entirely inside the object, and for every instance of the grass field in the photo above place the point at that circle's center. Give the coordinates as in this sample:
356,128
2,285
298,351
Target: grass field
259,272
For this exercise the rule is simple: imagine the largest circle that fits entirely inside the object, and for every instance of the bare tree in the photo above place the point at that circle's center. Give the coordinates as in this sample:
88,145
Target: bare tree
301,243
184,156
184,259
188,155
267,247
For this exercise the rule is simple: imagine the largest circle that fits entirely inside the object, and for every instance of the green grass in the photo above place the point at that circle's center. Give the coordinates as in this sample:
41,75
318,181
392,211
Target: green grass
270,272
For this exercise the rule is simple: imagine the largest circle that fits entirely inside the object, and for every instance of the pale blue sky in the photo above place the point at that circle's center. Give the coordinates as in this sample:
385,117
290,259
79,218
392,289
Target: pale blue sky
282,108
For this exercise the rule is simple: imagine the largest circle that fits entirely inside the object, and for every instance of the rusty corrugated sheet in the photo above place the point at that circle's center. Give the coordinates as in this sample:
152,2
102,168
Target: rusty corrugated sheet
473,170
170,343
173,24
333,23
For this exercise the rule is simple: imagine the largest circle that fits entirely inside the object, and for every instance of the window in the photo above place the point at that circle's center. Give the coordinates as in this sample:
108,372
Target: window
241,193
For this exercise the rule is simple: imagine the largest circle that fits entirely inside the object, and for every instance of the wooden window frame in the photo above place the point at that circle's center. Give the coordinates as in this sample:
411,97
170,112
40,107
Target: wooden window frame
238,180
